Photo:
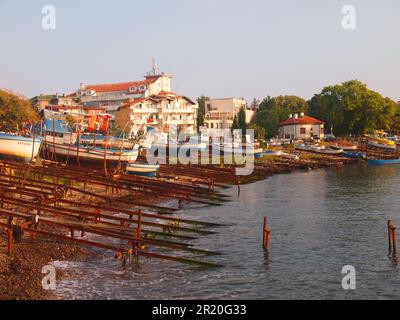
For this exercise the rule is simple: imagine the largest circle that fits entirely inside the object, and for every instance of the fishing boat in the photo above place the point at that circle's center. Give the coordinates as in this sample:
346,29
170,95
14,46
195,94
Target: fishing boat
20,148
325,150
143,169
100,140
346,148
318,149
379,140
61,143
379,145
383,161
236,148
354,155
272,153
290,156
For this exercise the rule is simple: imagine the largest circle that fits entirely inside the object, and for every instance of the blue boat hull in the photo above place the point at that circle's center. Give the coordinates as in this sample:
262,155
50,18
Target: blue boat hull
144,174
354,155
381,162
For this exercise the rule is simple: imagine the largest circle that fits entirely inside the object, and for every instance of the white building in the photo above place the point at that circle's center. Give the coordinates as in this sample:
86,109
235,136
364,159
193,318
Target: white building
221,112
112,96
158,111
301,127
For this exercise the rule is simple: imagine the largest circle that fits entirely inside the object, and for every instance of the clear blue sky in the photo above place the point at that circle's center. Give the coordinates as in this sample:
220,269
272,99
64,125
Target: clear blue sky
218,48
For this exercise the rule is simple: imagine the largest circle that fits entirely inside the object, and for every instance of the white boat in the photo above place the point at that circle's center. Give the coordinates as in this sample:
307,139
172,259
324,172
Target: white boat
318,149
344,148
92,154
235,148
290,156
143,169
380,140
384,146
324,150
19,148
64,144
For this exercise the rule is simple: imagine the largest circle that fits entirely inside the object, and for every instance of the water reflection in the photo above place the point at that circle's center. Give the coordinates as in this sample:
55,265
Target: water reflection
320,221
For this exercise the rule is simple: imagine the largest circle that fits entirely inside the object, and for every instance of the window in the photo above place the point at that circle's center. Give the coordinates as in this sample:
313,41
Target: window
302,130
322,130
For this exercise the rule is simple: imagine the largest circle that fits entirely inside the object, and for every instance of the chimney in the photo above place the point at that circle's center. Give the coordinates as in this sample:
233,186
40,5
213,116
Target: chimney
290,116
296,116
82,86
302,115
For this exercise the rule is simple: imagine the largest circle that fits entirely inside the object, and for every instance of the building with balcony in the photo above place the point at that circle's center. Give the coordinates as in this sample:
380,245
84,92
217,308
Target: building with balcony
220,113
157,111
112,96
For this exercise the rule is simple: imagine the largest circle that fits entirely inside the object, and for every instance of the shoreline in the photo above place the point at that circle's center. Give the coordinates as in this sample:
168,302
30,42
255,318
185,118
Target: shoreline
20,273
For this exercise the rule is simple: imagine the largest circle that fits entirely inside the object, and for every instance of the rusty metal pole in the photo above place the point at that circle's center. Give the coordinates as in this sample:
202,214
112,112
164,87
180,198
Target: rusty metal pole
139,227
9,240
78,146
105,152
266,234
394,240
389,228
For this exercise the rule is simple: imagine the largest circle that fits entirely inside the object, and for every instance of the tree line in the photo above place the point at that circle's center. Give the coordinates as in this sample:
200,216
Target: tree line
349,108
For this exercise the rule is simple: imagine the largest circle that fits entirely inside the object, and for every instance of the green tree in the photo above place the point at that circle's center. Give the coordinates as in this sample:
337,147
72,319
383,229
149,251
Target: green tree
259,132
274,110
241,118
201,111
352,108
235,124
15,110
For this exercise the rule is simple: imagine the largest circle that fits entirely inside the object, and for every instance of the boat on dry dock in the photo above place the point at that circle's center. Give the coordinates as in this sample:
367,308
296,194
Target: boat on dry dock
16,147
61,142
143,169
347,148
380,140
318,149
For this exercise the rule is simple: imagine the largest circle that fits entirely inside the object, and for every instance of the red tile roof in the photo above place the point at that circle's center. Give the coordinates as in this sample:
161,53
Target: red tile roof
301,120
167,93
123,86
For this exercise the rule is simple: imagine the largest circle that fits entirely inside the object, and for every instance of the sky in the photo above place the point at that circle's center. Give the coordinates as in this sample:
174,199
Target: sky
219,48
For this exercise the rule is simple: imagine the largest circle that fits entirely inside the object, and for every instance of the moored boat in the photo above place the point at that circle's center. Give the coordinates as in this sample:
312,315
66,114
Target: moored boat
237,149
354,155
19,148
379,145
143,169
318,149
383,161
344,147
61,143
380,140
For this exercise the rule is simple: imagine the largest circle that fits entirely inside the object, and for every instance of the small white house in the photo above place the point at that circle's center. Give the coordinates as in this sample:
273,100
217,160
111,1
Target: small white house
301,127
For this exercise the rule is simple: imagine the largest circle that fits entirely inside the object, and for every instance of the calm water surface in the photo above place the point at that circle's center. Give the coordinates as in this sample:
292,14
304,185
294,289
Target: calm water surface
321,220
